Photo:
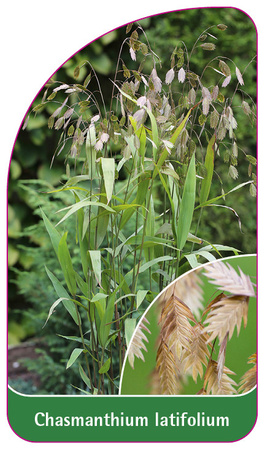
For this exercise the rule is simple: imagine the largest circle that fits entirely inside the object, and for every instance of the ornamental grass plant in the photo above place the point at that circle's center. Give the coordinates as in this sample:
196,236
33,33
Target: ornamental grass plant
139,176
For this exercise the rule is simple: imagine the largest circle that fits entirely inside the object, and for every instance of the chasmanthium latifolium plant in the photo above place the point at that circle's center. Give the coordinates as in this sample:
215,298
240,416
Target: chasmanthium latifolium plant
145,164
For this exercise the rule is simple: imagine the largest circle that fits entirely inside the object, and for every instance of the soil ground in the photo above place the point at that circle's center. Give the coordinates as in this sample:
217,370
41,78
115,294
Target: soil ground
16,369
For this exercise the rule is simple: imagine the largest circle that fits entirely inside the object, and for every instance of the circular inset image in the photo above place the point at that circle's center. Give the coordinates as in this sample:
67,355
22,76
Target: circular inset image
199,335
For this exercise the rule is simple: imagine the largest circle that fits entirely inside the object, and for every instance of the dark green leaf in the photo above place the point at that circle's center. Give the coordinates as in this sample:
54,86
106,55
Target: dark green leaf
61,292
105,325
53,233
84,376
66,265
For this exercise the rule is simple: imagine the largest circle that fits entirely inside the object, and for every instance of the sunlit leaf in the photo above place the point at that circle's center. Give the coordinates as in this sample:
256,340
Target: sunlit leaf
83,203
141,294
187,205
52,308
108,170
105,367
130,325
95,258
73,357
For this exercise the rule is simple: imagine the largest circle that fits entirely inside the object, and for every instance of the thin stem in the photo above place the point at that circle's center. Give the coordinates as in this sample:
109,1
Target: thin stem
197,228
93,343
134,258
144,230
101,376
197,40
84,345
177,264
111,371
99,87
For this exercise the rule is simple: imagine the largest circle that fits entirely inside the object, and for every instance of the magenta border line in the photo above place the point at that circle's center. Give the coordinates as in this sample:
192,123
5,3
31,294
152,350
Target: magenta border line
136,20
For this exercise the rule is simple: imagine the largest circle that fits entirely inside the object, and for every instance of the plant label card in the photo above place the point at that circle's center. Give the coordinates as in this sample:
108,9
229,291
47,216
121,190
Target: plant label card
132,296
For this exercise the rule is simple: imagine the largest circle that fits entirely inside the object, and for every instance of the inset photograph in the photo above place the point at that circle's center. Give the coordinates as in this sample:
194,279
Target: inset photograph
198,337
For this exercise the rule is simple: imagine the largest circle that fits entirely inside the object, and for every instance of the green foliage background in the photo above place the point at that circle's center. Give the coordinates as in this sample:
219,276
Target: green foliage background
30,291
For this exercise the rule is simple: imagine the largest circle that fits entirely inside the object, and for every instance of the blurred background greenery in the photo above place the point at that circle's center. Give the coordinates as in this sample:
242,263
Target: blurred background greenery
31,176
138,381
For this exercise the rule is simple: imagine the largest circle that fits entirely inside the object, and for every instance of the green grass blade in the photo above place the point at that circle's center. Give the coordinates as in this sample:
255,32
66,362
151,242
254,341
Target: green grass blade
108,171
155,138
194,239
173,206
180,128
95,258
187,205
75,339
141,134
207,255
82,204
209,166
105,367
213,200
73,357
150,241
191,258
149,264
102,219
98,296
82,239
53,233
84,376
164,154
52,308
130,325
218,248
150,230
141,294
66,265
105,324
62,293
142,190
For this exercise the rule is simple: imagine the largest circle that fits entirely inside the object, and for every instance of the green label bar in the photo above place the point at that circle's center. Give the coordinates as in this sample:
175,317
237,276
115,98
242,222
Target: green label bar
131,419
